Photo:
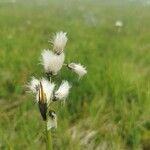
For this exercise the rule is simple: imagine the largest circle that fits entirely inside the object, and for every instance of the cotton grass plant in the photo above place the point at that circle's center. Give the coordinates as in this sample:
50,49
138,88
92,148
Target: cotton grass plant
119,25
45,90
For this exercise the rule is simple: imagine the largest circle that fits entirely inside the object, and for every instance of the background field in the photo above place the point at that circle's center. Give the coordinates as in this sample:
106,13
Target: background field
109,109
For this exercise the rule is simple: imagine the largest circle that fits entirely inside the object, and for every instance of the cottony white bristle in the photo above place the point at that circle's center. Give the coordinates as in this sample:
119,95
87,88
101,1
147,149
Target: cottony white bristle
52,62
33,85
78,68
48,89
119,23
63,90
52,121
59,42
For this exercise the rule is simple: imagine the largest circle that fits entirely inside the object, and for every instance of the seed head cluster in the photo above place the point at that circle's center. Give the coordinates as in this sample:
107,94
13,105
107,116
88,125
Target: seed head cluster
44,89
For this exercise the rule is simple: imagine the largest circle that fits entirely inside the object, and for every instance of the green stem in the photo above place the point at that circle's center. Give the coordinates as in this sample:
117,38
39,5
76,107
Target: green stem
49,145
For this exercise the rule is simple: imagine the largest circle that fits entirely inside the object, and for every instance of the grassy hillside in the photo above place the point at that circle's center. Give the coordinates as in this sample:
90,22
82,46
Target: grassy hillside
109,109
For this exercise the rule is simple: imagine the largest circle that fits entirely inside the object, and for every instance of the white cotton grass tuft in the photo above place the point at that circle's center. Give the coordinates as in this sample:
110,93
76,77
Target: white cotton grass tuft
63,91
48,89
52,62
78,69
119,23
33,85
47,86
59,42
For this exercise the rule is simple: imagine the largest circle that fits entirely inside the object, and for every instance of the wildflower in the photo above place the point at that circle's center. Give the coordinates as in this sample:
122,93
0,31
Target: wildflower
63,91
44,91
44,95
119,24
52,120
48,89
59,42
52,62
78,68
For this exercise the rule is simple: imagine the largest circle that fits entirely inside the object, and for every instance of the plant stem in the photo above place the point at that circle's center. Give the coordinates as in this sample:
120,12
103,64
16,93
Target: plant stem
49,145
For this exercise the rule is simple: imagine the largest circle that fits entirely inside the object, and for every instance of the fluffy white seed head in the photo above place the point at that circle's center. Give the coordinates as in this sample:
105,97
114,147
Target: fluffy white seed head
63,91
78,68
52,120
52,62
119,23
33,85
59,42
47,86
48,89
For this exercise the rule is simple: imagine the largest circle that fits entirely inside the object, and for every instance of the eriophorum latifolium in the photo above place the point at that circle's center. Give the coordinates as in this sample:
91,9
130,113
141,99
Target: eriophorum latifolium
44,88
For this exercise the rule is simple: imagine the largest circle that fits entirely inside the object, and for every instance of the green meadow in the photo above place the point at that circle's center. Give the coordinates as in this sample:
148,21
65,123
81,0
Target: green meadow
109,109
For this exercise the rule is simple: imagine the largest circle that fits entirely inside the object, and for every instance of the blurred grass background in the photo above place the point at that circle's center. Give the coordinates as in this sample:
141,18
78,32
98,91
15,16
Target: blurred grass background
109,109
